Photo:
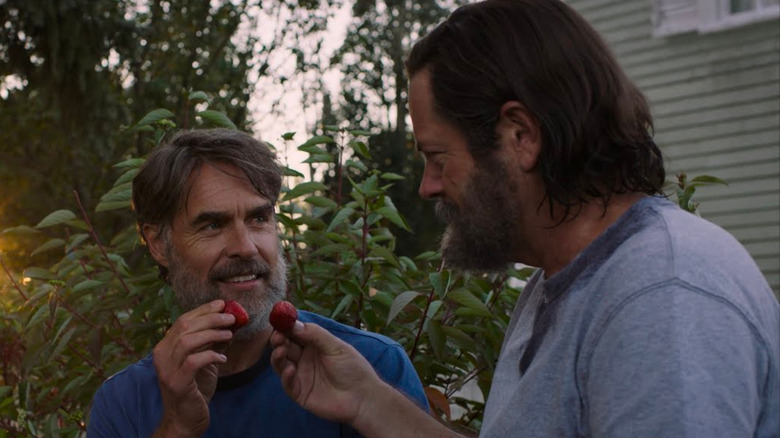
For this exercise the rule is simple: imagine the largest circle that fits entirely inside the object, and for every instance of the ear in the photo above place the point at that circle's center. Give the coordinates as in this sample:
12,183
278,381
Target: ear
153,234
519,133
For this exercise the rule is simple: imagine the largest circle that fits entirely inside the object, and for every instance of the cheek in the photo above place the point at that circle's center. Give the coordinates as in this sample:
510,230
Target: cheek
268,246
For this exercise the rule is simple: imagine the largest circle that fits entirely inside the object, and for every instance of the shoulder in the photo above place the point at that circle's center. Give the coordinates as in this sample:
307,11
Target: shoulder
665,245
137,375
370,344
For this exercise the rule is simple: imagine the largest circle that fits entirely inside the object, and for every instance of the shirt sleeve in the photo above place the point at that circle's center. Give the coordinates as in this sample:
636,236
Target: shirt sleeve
675,361
395,368
106,418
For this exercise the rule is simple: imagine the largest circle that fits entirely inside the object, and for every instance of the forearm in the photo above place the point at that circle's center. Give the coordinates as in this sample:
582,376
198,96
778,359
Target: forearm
390,414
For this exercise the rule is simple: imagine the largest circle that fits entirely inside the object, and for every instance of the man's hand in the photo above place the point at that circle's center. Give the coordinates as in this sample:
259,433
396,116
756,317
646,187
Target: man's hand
186,361
322,373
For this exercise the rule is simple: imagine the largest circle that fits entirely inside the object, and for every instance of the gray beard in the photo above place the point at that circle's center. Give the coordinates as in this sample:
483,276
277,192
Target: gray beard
191,293
480,236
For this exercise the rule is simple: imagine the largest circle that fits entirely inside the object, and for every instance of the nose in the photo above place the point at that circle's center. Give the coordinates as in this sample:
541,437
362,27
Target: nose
241,243
431,184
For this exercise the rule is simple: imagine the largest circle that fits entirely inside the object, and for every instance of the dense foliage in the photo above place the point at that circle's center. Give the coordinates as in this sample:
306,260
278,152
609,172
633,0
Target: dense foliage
67,326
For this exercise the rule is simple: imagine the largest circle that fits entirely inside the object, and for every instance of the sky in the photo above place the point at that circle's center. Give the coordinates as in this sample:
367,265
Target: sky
294,117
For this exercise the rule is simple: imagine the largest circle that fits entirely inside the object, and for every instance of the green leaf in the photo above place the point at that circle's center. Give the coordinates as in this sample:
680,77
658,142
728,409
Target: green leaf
86,285
707,179
319,158
392,176
436,282
317,139
321,201
360,148
126,177
113,205
63,343
154,116
433,309
460,338
303,189
288,171
56,218
386,254
217,118
198,96
393,216
360,132
465,298
21,229
288,136
401,301
48,246
76,240
39,273
346,300
340,217
437,339
119,193
130,164
359,165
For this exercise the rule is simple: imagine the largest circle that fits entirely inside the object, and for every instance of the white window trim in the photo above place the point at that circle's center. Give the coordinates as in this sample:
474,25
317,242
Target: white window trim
705,16
714,17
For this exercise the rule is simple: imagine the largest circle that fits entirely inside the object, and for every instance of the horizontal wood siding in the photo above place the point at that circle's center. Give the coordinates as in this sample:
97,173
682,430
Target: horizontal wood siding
715,98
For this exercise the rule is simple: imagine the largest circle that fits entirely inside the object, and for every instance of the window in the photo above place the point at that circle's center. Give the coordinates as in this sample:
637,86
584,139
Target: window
679,16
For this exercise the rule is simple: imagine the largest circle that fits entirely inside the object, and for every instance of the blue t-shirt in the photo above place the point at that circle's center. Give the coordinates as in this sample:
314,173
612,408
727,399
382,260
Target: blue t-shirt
249,403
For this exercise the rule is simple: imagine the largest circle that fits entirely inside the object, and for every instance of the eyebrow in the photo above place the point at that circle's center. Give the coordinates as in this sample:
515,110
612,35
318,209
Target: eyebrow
220,217
208,217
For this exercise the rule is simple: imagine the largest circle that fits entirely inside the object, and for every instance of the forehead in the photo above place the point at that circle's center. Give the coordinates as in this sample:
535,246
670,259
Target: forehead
428,125
219,187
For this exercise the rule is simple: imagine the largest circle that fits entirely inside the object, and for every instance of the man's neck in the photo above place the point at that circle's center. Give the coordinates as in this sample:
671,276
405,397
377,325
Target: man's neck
552,247
242,354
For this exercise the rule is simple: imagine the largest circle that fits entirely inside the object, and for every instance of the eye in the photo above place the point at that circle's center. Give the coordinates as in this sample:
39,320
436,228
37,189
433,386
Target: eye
259,219
435,157
212,226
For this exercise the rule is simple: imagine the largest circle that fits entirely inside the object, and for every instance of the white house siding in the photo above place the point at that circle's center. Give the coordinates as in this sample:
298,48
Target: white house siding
715,98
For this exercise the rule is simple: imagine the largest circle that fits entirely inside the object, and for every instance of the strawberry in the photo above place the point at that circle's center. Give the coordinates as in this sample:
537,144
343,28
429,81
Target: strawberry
235,309
283,316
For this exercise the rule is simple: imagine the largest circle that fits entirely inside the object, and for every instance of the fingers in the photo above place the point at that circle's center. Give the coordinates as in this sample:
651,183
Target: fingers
204,317
184,375
188,345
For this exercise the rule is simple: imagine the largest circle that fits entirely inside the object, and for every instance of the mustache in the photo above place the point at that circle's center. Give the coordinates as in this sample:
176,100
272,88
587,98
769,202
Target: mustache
242,266
446,211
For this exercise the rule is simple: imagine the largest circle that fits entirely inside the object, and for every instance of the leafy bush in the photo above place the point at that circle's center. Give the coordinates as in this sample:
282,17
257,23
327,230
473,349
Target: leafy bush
68,325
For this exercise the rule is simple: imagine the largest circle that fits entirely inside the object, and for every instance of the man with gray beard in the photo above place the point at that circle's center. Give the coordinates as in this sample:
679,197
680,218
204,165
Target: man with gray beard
204,203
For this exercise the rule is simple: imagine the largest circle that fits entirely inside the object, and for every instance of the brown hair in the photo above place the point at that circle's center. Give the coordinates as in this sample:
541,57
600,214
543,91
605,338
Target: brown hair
596,125
162,184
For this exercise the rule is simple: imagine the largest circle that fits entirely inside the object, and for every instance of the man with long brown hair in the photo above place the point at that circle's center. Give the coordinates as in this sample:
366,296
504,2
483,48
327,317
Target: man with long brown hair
642,320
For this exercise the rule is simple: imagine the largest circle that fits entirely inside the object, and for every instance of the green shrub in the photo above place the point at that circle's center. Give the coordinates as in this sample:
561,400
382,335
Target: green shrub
68,325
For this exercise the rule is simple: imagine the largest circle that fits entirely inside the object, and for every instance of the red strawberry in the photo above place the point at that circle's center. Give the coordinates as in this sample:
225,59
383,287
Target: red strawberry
235,309
283,316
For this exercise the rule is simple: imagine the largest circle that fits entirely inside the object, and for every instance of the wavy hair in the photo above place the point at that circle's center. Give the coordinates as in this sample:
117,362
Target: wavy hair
595,124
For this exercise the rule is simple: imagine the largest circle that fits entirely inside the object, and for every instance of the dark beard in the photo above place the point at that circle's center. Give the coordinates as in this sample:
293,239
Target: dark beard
191,293
480,235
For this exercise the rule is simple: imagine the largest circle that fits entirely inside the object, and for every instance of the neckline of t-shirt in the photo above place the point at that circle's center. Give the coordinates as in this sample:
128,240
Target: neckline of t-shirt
239,379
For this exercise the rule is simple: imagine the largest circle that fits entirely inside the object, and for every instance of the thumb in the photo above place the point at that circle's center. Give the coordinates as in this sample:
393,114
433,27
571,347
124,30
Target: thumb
313,335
